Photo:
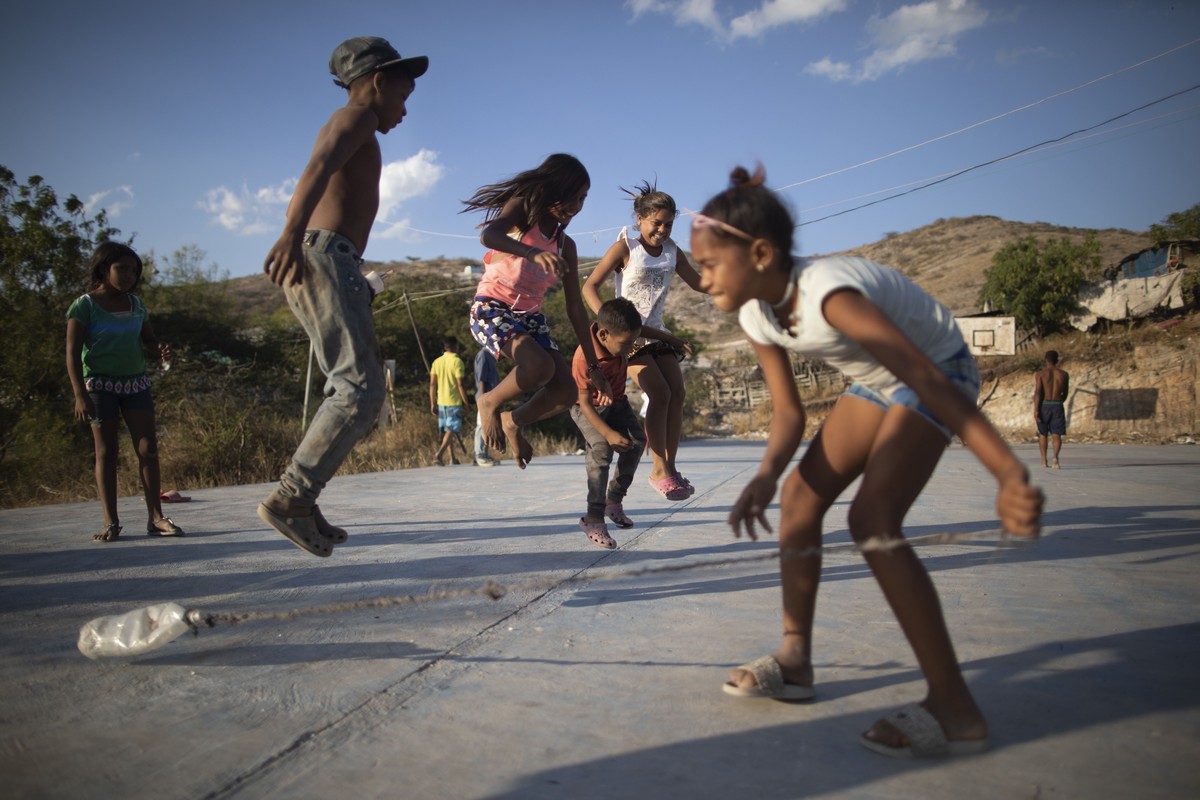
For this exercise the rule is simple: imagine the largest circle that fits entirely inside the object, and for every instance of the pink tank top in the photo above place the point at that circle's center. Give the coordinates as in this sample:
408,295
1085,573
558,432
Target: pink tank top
515,281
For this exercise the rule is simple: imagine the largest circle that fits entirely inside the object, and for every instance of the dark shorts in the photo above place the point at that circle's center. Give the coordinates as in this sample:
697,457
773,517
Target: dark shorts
494,324
450,419
655,348
108,405
1052,419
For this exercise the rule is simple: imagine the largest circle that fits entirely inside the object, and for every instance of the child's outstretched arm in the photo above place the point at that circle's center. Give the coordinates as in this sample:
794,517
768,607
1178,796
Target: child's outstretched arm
786,433
1018,504
347,130
578,315
669,338
613,260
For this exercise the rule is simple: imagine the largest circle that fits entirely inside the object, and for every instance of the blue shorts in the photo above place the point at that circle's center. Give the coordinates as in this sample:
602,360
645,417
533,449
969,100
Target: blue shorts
449,419
960,368
494,324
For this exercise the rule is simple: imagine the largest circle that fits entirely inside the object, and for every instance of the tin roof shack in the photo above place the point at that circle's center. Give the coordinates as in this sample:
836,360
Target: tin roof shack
1148,282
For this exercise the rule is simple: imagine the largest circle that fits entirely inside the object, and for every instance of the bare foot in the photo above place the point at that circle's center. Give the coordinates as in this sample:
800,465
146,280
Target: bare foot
1056,464
489,418
522,450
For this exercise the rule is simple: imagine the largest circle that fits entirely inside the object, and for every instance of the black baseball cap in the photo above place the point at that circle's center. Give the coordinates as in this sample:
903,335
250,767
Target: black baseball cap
363,55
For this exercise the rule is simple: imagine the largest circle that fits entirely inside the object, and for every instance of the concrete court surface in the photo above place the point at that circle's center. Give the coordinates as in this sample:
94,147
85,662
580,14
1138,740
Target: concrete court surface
586,681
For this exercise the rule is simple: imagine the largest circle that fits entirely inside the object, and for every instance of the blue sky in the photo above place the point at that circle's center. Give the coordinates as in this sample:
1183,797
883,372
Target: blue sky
190,122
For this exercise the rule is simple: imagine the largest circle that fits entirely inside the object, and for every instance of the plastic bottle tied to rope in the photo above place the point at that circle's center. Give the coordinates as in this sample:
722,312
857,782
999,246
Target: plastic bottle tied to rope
153,627
138,631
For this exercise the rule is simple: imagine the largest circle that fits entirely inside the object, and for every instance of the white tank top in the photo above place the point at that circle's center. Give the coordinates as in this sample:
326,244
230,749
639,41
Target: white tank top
646,279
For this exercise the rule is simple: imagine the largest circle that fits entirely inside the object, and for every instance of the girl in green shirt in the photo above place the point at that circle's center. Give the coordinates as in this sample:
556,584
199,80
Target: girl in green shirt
108,330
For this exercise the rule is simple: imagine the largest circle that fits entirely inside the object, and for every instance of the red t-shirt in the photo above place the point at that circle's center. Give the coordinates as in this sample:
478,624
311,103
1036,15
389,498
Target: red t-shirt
615,368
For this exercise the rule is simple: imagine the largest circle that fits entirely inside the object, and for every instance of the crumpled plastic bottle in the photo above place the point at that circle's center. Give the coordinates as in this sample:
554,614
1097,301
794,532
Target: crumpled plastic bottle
136,632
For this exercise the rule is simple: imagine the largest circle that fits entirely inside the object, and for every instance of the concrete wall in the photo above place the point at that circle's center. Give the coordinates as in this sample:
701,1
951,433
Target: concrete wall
1148,393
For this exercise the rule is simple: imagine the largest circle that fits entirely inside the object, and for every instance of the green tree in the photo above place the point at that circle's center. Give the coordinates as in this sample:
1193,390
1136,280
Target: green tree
1180,225
1038,283
45,245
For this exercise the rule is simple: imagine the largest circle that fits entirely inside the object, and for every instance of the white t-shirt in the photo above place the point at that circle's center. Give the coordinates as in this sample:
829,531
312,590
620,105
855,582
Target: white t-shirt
925,321
645,280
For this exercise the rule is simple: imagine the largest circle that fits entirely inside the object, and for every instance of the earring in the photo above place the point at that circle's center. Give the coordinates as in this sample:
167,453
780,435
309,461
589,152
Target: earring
760,267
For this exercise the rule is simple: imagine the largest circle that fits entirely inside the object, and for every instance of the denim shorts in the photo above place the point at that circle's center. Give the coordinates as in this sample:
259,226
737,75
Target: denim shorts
494,324
960,368
108,405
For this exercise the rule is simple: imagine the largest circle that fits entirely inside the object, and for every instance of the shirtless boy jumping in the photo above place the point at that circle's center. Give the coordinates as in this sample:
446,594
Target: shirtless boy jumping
317,261
1049,393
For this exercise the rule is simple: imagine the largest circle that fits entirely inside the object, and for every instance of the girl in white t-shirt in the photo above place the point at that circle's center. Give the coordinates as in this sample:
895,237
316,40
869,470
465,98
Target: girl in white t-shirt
915,383
642,269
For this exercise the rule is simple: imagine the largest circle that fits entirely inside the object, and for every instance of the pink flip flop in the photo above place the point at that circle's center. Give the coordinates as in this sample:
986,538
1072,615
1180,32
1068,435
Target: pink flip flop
173,496
670,488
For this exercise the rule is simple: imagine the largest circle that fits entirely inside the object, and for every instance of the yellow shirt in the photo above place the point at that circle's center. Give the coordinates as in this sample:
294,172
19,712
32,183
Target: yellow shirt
448,368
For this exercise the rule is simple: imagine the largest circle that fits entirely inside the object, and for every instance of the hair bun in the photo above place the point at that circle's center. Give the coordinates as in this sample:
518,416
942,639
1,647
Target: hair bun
741,177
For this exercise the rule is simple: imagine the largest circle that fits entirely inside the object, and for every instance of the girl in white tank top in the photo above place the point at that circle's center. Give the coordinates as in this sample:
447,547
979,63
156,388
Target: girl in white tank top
642,267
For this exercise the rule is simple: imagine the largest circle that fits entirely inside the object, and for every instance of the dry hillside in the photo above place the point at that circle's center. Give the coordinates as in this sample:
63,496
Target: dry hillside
947,258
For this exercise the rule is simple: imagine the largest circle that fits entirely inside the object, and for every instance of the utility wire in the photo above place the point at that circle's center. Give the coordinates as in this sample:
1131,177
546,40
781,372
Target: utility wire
973,125
1001,158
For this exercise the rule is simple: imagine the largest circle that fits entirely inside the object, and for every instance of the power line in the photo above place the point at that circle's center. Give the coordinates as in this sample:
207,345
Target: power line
1032,152
1001,158
986,121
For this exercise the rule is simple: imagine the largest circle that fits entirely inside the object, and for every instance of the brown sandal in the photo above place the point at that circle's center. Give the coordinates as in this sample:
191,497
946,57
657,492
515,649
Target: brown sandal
163,527
111,533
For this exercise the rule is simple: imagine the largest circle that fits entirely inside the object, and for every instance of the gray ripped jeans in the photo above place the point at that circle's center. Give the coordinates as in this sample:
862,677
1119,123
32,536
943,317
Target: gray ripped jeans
601,491
333,304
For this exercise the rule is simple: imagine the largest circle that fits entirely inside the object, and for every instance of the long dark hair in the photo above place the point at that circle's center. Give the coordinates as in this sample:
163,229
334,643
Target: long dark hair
560,177
105,256
750,206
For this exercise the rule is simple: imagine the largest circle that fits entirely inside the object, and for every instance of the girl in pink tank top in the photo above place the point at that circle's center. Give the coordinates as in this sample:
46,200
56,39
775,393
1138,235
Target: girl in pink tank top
528,253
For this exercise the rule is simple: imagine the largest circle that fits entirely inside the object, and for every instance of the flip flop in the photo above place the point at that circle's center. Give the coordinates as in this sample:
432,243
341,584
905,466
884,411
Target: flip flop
925,737
173,496
768,683
163,527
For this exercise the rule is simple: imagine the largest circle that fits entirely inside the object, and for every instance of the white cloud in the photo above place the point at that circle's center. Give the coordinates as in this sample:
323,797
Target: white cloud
403,180
776,13
113,201
249,212
909,35
770,14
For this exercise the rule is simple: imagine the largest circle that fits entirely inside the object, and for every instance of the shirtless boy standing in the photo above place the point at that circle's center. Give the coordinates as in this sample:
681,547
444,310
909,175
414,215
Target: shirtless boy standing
1049,393
317,261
